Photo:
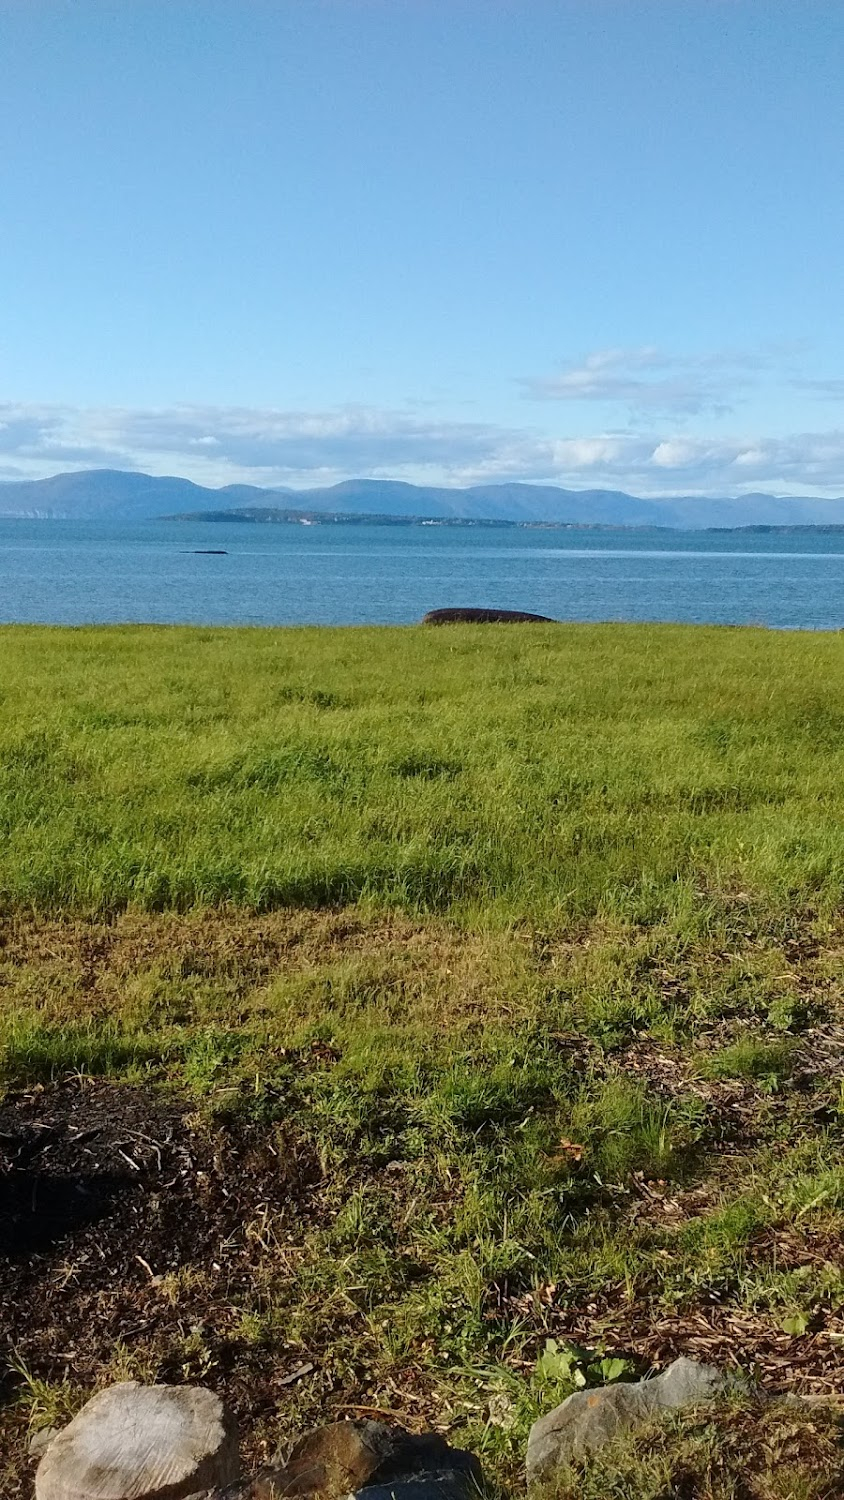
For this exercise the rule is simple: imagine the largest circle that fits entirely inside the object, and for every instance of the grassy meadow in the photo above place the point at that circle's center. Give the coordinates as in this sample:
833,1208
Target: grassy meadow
638,773
521,953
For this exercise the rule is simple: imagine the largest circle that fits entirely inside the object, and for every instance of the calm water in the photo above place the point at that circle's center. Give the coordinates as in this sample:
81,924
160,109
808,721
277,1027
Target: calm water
64,572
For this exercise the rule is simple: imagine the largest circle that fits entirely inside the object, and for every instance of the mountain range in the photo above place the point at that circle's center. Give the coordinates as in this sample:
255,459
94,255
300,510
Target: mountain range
118,495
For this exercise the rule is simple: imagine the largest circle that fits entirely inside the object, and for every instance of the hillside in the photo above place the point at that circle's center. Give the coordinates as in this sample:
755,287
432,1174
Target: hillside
111,494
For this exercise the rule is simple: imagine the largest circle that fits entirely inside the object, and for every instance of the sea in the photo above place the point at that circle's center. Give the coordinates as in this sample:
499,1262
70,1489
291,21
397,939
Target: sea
213,573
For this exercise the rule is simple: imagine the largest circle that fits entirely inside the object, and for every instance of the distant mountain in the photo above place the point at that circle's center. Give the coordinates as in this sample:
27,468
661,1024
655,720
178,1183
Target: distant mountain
491,502
112,494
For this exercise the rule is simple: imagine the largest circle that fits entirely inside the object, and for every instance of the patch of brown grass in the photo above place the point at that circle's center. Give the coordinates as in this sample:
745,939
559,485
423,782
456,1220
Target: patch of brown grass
225,965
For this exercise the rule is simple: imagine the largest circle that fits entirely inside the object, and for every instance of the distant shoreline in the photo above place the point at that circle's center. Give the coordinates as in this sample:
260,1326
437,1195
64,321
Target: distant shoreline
273,516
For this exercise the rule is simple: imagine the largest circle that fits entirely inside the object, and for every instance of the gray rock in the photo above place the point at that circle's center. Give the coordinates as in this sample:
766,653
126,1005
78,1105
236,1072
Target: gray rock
686,1382
40,1441
588,1419
141,1442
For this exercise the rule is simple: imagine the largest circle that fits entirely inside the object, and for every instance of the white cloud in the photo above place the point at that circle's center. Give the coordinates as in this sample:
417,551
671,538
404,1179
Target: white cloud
650,380
266,446
674,454
589,452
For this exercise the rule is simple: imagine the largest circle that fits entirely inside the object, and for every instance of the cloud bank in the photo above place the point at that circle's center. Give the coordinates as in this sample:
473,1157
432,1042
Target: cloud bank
226,445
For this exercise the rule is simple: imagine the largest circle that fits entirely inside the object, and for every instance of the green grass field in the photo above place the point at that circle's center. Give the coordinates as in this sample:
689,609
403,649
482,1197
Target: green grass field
520,950
640,773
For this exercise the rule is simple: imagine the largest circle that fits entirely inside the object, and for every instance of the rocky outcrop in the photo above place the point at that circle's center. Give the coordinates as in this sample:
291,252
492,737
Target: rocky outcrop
368,1460
135,1442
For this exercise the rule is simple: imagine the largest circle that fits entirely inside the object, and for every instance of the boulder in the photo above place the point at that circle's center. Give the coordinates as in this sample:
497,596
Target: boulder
367,1460
484,617
588,1419
337,1459
141,1442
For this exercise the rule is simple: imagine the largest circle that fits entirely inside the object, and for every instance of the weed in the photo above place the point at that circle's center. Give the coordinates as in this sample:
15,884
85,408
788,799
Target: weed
768,1061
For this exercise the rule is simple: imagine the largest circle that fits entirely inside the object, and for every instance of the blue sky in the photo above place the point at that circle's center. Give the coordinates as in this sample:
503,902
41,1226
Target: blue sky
591,242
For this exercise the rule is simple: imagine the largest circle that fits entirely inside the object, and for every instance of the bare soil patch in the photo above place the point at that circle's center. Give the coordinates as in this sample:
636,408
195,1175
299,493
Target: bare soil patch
127,1228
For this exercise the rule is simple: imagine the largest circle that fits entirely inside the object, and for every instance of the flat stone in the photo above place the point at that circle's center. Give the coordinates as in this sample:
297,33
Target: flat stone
588,1419
142,1442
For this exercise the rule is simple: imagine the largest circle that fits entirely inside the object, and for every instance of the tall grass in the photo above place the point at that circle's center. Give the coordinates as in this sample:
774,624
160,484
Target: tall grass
642,772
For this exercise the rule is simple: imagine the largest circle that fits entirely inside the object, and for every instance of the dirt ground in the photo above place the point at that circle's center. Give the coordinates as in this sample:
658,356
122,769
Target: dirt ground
127,1230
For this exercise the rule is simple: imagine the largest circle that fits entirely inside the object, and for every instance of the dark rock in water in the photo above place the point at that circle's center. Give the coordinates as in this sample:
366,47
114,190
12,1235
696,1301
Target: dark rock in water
484,617
368,1460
